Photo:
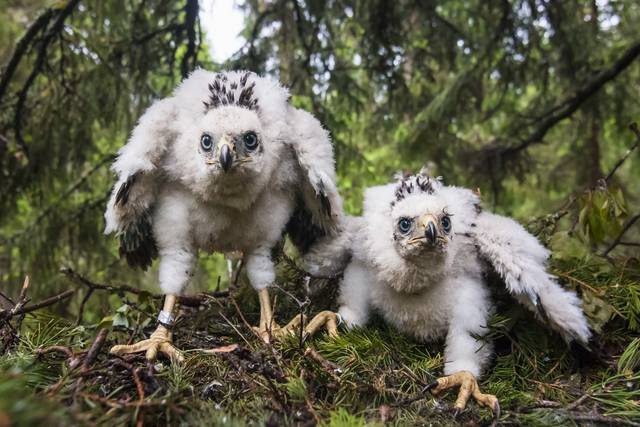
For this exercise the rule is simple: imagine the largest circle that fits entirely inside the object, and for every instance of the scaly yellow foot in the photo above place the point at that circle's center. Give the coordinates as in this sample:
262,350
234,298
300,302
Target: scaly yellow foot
468,387
328,319
268,329
271,330
160,341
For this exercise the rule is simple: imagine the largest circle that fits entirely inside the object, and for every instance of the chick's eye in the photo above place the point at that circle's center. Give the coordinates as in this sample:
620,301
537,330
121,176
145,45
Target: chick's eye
206,142
404,225
446,223
250,140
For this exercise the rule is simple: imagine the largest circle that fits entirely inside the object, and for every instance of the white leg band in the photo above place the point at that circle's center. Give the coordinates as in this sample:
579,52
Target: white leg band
166,319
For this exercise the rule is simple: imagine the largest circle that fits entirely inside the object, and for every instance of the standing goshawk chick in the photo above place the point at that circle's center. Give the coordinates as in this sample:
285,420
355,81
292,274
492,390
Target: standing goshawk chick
419,254
224,164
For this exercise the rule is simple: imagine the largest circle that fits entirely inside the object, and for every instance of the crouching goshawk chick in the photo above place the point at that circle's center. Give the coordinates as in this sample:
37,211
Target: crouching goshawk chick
224,164
419,254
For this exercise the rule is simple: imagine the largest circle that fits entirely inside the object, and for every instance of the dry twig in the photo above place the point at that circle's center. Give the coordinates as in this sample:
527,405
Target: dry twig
95,349
20,308
185,300
44,303
617,240
328,366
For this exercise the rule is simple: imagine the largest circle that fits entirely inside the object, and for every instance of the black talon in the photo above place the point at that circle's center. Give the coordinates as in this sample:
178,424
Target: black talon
430,387
456,412
496,413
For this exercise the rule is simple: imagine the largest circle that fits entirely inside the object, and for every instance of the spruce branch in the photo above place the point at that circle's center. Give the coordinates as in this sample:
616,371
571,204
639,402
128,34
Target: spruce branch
551,221
190,58
22,47
634,128
49,35
571,104
617,240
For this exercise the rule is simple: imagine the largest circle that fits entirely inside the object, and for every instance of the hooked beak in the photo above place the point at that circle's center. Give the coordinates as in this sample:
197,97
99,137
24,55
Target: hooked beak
430,230
225,154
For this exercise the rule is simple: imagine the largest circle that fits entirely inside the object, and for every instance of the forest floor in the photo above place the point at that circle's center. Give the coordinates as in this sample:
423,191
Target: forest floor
58,371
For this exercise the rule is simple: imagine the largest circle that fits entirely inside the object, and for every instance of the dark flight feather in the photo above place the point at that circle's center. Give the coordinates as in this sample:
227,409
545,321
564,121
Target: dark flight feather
301,229
122,196
137,244
324,200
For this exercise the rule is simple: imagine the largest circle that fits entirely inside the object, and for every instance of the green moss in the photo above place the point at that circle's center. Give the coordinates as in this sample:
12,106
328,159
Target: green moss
379,373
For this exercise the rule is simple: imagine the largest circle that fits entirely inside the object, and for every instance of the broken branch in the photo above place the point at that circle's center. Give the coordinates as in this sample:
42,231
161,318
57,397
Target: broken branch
329,367
185,300
95,349
6,314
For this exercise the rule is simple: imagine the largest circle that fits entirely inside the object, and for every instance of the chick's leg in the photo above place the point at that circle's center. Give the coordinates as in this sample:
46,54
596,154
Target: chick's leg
262,273
354,302
468,388
466,354
267,327
160,341
172,234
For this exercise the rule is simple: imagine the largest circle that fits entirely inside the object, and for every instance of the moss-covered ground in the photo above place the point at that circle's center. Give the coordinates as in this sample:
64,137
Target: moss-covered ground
375,375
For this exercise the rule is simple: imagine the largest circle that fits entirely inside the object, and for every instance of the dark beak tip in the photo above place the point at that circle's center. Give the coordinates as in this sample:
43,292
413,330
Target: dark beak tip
431,233
226,159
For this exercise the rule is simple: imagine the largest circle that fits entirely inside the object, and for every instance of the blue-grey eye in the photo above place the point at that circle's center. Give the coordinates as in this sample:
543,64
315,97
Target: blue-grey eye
206,142
404,225
446,223
250,140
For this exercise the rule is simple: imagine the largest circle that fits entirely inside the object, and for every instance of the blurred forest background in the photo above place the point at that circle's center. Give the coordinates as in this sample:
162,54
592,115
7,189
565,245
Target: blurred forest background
531,101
